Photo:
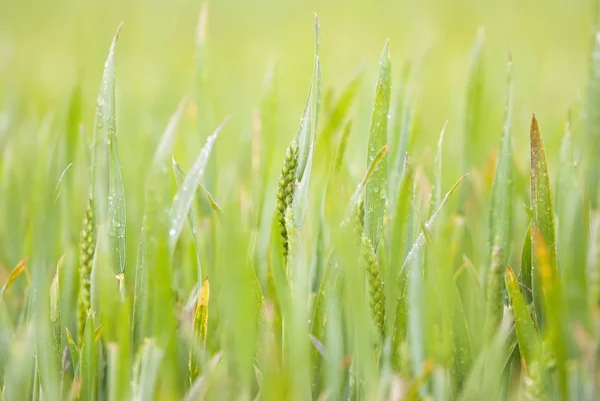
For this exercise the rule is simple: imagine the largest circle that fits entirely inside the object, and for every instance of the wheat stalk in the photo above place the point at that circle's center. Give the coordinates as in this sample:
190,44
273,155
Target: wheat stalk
87,246
285,191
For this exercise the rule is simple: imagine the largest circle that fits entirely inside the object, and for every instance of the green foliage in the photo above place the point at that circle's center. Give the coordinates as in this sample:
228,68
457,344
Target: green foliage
334,280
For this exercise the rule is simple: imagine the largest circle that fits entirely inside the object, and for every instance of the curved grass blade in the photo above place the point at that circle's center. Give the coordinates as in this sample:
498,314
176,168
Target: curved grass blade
553,303
73,350
527,336
592,122
354,199
104,132
200,328
502,187
376,188
58,184
89,363
341,108
436,193
198,388
341,150
525,272
16,272
18,379
185,195
150,363
420,241
542,215
55,309
472,140
180,176
117,213
573,232
500,222
153,198
214,206
306,137
398,241
164,149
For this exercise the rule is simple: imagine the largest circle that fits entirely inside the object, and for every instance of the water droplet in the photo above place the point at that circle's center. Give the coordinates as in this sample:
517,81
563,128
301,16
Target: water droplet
383,193
172,232
376,189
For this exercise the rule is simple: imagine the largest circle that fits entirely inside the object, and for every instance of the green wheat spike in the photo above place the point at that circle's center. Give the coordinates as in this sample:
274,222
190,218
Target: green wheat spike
375,284
285,190
87,246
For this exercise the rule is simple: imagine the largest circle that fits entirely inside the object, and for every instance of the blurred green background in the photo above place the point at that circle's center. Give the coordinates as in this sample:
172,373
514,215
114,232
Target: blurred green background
48,47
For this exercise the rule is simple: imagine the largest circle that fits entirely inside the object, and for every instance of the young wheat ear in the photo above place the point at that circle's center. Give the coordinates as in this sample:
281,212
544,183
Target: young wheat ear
375,283
87,247
285,190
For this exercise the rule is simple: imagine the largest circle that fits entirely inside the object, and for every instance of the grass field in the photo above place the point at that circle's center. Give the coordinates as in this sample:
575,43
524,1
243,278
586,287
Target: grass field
242,200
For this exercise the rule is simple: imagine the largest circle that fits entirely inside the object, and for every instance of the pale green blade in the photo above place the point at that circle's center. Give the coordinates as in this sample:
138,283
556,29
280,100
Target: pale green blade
542,215
179,177
185,195
527,336
376,188
592,121
500,223
572,237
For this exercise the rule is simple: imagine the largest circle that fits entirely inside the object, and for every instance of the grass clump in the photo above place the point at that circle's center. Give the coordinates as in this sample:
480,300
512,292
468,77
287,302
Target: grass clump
330,278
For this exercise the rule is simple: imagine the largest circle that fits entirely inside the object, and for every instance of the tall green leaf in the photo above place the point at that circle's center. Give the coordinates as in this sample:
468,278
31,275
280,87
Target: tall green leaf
376,189
500,221
527,336
473,137
104,178
542,214
185,195
180,177
592,121
89,363
572,233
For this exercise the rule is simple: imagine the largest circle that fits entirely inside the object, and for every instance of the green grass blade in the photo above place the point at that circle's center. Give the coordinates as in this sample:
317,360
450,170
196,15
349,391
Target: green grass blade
420,241
502,187
376,188
473,137
214,206
398,240
555,329
60,179
341,108
527,336
73,122
592,122
185,195
117,213
55,310
150,363
542,214
89,363
15,272
164,148
572,237
355,198
155,194
500,222
436,193
341,150
104,132
525,272
180,176
18,379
